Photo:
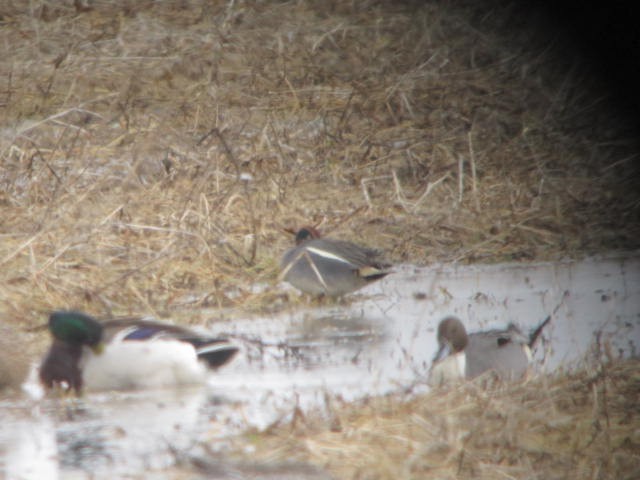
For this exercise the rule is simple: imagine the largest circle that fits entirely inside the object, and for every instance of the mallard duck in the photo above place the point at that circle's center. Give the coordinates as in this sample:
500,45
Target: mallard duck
507,352
127,353
324,266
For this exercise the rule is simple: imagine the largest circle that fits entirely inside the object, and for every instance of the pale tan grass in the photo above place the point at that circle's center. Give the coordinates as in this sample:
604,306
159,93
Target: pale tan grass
570,426
151,155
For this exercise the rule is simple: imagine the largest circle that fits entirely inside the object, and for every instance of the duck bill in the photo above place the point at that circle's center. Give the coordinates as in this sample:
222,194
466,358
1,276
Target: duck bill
443,352
97,348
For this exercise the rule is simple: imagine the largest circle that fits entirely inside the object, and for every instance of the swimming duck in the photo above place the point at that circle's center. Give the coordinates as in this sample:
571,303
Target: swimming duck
506,352
127,353
324,266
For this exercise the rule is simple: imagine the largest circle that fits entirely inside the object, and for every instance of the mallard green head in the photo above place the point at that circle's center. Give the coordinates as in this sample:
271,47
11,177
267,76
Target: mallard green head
71,332
76,328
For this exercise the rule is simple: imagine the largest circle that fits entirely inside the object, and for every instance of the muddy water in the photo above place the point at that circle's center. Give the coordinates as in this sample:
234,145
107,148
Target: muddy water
383,341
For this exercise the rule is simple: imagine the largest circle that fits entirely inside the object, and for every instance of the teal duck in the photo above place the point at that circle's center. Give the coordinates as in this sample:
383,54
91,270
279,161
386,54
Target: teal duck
323,266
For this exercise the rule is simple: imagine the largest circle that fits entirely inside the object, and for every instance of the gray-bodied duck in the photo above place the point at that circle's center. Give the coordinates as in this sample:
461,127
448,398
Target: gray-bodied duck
127,353
506,352
323,266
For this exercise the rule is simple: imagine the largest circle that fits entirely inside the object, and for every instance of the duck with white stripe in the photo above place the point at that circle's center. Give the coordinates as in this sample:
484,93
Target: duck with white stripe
466,356
324,266
127,353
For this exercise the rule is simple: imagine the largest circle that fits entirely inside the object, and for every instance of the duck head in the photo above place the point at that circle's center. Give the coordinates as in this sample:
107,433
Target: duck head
450,363
76,328
71,332
452,337
306,233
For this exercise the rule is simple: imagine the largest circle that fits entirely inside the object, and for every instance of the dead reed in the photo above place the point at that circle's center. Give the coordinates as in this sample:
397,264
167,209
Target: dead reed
567,426
152,152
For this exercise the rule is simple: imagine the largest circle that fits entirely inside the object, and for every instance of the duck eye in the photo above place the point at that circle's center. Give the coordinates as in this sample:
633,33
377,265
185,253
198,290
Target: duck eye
302,235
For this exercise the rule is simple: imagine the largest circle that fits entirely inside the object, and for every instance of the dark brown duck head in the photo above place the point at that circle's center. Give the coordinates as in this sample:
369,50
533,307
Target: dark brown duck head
452,337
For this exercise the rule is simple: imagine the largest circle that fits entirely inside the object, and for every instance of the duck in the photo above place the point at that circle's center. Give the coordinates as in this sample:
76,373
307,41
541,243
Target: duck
126,354
322,266
506,352
450,362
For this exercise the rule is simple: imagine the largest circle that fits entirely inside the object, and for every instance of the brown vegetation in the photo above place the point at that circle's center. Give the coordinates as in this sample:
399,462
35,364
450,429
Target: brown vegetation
581,425
152,152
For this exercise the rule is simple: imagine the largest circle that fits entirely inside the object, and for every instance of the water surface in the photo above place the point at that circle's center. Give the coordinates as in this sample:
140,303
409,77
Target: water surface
383,341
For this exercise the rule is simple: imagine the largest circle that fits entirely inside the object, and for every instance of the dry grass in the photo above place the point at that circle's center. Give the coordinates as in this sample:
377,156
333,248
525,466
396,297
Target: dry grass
575,426
152,152
436,132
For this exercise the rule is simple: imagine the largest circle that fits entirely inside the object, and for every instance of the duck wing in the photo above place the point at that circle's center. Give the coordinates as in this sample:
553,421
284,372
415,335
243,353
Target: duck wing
502,351
214,351
347,252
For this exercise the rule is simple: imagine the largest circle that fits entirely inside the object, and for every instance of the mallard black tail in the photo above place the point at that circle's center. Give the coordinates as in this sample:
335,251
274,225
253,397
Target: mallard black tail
215,352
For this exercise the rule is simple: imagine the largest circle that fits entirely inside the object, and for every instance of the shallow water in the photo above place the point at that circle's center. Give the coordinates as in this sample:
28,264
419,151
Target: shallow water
381,342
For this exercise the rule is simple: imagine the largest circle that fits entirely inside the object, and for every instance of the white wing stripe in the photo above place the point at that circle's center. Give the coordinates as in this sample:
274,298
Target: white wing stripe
325,254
